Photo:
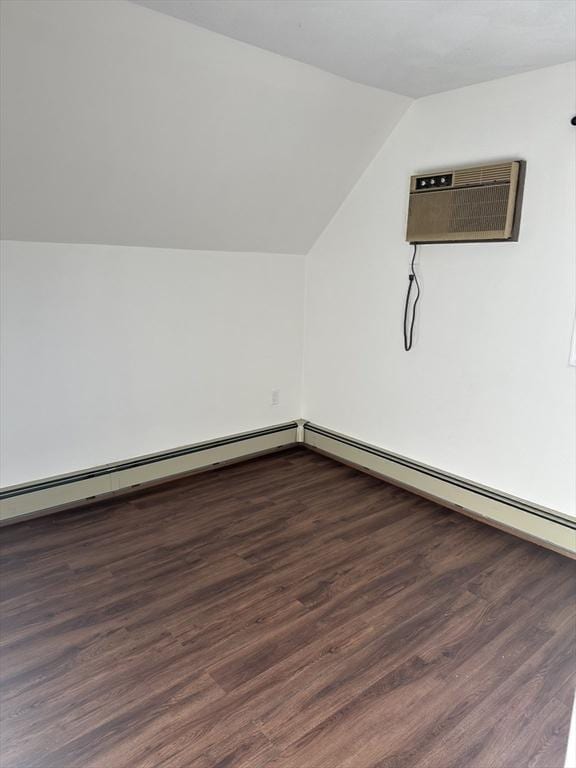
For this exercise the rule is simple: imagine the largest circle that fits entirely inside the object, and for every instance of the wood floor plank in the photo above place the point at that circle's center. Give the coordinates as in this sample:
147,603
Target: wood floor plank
287,612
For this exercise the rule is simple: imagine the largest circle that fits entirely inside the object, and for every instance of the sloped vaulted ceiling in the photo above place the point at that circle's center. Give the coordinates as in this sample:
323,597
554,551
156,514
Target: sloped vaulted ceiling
125,126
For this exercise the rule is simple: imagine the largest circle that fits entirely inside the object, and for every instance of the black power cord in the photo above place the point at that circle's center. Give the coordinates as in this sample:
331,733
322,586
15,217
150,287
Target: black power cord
409,324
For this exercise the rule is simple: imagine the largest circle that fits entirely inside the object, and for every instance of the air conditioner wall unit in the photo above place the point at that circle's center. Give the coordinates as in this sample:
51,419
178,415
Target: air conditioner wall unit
475,204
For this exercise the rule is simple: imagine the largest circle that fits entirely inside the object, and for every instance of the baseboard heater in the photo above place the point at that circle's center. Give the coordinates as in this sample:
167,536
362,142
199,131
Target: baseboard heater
539,524
536,523
54,493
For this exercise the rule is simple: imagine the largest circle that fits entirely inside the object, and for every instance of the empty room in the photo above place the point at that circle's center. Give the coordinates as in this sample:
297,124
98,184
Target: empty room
288,384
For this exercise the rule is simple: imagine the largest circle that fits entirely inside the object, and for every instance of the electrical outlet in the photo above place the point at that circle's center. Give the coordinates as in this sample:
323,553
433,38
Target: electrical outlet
275,397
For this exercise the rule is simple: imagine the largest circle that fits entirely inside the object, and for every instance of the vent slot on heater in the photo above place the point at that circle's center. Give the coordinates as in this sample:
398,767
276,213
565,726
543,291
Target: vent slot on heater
466,205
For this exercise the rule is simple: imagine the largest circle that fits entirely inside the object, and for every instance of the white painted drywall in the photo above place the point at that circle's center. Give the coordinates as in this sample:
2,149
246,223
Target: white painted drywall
487,392
114,352
126,126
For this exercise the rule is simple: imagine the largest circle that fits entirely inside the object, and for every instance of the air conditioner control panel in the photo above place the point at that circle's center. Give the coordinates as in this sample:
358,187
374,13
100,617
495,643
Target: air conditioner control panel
434,182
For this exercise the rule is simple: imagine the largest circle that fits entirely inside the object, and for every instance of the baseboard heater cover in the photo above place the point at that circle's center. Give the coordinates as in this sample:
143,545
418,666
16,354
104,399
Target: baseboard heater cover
52,493
513,514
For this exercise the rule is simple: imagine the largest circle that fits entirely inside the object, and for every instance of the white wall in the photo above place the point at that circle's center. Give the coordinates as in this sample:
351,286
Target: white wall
130,127
487,392
113,352
125,126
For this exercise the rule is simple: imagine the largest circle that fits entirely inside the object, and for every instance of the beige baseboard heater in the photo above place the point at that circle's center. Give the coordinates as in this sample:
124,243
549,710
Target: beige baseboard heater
54,493
518,516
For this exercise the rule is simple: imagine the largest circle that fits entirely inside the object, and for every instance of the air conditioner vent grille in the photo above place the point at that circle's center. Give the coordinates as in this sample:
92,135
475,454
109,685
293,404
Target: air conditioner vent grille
483,175
479,209
471,210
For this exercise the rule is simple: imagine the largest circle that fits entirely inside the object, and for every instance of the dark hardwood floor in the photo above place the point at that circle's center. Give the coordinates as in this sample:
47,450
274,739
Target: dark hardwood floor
288,612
